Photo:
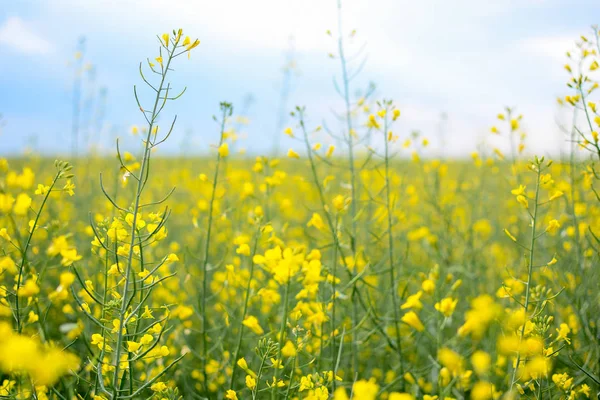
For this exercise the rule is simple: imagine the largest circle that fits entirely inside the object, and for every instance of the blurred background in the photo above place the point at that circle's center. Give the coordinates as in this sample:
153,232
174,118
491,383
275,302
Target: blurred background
70,65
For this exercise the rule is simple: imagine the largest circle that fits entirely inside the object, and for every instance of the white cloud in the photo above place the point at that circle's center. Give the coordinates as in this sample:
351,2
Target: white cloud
267,24
432,56
552,47
18,35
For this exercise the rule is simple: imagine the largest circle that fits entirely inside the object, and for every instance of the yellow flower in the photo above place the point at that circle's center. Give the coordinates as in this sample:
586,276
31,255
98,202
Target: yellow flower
192,45
446,306
250,382
413,301
26,355
372,122
158,387
69,186
365,390
519,191
562,381
340,394
4,234
292,154
29,289
139,222
99,341
231,395
306,383
69,256
340,202
483,391
288,131
316,221
288,350
555,195
32,317
224,150
155,329
243,249
146,339
133,346
330,150
242,364
42,189
585,390
553,226
451,360
514,124
412,320
483,311
7,264
481,362
252,323
563,333
523,201
428,286
22,204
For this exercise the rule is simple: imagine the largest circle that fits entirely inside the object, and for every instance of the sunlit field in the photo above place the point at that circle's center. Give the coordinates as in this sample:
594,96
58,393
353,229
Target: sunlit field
358,264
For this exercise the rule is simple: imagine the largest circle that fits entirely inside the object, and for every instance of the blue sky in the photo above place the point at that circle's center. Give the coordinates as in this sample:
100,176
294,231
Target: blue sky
466,58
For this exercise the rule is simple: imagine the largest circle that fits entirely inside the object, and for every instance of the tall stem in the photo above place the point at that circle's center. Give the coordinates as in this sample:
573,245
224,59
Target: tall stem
334,237
391,256
529,271
245,310
24,255
207,248
333,309
281,335
350,142
140,187
572,180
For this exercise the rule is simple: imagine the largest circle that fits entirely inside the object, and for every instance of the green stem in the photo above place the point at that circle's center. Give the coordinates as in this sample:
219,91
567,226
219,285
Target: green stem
24,254
259,375
333,309
289,388
245,310
529,272
333,230
206,253
281,334
391,257
140,186
350,142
